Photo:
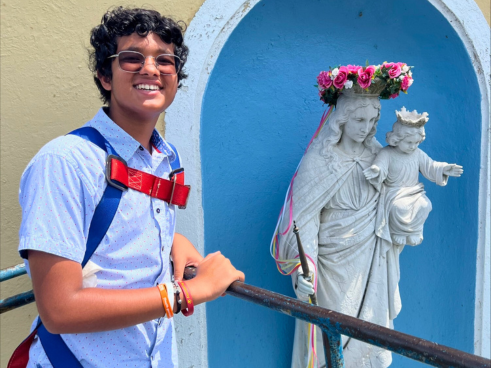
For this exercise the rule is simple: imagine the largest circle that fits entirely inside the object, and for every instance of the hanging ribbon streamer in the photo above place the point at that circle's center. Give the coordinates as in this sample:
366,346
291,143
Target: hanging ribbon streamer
288,266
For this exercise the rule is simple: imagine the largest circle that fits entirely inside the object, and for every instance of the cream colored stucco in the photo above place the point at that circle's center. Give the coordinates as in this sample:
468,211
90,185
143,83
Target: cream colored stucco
485,6
46,91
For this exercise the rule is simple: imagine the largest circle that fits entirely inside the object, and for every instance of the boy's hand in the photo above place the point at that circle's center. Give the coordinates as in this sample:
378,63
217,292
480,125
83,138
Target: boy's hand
214,275
453,170
183,254
372,172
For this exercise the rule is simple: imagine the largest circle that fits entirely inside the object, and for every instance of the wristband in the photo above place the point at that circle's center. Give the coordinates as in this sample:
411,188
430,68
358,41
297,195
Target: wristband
165,301
169,287
177,295
190,307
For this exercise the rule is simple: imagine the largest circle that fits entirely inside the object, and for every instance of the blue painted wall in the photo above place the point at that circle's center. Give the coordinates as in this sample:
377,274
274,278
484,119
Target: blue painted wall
259,112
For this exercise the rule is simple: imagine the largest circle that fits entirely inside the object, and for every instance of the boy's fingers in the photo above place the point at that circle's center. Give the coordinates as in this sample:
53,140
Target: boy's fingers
178,271
241,276
209,256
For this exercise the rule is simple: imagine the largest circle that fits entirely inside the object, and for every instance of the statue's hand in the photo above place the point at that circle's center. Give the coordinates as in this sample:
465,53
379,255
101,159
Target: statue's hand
372,172
453,170
304,287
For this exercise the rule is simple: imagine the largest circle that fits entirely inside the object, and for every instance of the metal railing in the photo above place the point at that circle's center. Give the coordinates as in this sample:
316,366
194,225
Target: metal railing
333,323
18,300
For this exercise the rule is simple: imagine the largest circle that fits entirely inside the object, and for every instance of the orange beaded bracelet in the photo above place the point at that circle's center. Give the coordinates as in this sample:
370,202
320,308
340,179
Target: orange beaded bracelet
165,301
189,300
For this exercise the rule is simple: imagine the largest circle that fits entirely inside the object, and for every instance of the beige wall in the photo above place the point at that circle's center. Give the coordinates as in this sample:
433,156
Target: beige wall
46,91
485,6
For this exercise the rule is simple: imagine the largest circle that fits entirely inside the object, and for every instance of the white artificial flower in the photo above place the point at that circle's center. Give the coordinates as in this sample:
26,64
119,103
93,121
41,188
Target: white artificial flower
348,84
410,74
411,82
335,72
405,69
401,77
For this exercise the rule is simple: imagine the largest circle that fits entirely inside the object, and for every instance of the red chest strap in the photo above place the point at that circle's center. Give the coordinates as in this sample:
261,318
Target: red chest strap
172,191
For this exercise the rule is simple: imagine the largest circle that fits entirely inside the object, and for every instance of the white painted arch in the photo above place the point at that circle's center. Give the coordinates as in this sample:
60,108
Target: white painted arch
206,35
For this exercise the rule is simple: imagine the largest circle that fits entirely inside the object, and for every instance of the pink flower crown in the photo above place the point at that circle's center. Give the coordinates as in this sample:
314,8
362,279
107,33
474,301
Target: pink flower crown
384,81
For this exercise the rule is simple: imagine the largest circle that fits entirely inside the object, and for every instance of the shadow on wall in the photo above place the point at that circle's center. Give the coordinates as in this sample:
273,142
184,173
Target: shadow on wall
260,110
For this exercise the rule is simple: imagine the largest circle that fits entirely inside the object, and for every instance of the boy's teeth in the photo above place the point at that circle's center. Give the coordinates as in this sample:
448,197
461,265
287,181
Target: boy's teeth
149,87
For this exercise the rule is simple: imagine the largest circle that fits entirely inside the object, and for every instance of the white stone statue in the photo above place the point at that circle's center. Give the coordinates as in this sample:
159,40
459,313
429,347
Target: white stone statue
355,267
334,207
403,205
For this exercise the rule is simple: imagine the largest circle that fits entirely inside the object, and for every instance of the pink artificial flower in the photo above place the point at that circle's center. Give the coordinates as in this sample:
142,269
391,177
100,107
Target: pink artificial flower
394,95
370,70
324,80
395,71
353,68
406,83
364,79
388,65
341,78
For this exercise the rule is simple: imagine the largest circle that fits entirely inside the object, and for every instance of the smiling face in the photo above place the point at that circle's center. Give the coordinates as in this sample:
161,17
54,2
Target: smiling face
409,144
146,94
360,123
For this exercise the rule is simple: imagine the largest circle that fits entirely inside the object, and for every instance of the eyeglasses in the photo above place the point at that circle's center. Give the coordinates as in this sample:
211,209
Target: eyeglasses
133,62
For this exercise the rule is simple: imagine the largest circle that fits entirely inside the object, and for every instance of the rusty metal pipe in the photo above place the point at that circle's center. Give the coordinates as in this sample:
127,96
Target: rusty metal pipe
400,343
16,301
334,323
11,272
412,347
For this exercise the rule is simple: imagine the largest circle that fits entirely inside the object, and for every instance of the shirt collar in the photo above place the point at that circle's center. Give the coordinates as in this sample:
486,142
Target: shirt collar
124,143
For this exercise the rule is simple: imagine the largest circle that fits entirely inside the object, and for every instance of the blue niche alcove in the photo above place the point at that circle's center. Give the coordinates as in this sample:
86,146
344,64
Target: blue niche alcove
259,112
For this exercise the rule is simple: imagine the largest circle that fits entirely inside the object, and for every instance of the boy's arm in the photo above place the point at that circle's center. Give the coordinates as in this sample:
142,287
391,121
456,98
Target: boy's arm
65,307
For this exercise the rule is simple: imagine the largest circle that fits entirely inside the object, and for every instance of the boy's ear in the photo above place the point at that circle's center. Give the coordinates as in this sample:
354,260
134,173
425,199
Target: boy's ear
105,81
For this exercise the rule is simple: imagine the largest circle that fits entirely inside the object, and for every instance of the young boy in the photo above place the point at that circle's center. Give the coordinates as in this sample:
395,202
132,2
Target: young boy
138,61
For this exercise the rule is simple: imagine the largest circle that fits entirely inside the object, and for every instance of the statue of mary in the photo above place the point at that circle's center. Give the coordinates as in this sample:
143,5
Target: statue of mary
356,271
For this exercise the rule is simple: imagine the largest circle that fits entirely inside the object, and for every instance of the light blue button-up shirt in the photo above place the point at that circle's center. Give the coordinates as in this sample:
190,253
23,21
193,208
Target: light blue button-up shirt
59,192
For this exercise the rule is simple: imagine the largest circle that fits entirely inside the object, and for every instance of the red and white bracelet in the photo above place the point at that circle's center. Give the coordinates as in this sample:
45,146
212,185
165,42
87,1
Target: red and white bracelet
189,300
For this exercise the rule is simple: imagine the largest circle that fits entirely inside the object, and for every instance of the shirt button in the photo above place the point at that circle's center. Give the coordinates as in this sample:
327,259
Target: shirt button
158,210
163,248
141,149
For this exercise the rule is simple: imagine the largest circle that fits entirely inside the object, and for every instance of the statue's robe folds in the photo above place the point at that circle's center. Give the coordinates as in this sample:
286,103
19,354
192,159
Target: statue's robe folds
358,272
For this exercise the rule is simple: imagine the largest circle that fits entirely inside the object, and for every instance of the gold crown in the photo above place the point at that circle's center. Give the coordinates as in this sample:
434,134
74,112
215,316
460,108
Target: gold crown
412,118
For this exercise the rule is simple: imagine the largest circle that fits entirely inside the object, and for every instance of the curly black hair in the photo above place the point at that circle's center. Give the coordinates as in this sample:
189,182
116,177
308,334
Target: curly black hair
120,22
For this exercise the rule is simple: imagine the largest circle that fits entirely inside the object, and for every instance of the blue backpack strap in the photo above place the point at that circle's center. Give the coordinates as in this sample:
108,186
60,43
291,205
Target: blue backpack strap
176,164
56,349
107,207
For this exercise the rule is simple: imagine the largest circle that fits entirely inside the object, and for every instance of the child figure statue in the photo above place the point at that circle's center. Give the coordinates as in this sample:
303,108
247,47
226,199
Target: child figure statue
403,205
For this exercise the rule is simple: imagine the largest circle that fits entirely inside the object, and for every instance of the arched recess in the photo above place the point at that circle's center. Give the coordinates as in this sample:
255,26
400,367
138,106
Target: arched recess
206,36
